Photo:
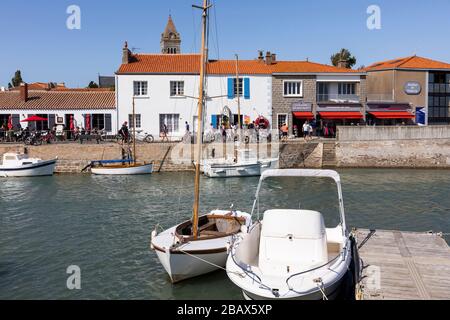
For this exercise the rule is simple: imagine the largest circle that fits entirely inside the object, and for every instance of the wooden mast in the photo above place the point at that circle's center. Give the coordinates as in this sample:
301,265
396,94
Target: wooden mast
134,132
201,103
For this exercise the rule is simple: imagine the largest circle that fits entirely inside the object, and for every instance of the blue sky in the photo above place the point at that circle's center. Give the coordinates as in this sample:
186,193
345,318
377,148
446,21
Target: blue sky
34,37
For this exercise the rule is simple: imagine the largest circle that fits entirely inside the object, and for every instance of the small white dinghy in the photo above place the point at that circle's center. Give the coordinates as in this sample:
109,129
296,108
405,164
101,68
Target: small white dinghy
120,167
290,254
184,256
20,165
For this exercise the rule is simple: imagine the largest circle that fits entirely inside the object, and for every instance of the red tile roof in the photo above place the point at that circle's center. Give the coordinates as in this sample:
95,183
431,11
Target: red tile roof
413,62
58,100
189,64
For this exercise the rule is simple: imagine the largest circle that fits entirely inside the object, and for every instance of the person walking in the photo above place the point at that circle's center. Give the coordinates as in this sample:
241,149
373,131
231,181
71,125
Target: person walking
124,132
285,132
306,130
164,133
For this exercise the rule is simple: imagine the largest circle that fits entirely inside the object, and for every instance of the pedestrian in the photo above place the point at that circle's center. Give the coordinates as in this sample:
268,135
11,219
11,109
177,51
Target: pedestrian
164,133
124,132
188,128
311,131
285,132
305,130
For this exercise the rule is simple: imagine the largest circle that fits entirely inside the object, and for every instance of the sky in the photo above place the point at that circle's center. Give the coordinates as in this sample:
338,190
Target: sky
35,39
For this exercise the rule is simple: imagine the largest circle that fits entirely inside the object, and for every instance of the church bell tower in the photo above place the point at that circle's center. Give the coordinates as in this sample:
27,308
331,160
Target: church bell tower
170,39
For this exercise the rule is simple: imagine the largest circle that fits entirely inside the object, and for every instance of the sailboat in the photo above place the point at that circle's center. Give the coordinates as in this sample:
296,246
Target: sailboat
127,166
290,254
200,245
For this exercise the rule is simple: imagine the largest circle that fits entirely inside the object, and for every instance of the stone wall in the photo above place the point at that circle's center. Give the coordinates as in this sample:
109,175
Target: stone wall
394,154
391,133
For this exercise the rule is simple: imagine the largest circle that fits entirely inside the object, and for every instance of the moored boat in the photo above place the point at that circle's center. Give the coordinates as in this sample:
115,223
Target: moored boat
20,165
120,167
290,254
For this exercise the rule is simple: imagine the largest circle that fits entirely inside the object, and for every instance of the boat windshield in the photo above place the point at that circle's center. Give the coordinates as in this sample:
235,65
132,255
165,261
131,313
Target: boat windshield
305,193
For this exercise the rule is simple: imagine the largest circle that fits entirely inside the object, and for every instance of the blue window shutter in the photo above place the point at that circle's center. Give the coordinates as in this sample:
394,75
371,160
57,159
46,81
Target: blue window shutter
214,121
230,88
247,88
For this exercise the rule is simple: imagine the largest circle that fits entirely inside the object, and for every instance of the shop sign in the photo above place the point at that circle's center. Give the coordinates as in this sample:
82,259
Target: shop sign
301,106
413,88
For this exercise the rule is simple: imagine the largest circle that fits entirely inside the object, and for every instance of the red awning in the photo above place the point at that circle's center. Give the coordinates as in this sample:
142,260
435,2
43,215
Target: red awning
341,115
304,115
392,115
34,119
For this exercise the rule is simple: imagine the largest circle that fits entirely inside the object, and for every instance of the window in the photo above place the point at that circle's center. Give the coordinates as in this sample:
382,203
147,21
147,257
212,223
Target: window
172,50
176,88
347,88
138,121
140,88
172,121
241,90
293,88
98,121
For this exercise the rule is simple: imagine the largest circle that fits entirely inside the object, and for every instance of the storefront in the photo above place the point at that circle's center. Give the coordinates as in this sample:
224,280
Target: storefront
389,114
301,113
332,115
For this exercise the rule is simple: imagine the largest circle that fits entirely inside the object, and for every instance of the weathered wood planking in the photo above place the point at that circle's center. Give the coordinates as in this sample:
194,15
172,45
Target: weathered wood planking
412,266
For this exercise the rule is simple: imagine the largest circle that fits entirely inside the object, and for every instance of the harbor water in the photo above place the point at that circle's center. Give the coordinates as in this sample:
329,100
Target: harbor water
103,225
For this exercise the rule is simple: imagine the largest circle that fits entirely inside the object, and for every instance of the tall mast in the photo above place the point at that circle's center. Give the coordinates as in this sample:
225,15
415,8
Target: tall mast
238,93
201,103
134,132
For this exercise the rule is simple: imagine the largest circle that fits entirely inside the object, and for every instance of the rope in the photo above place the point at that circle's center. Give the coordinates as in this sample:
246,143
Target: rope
242,275
320,285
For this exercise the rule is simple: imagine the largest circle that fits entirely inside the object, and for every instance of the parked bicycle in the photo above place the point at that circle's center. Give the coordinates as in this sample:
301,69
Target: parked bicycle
34,139
142,136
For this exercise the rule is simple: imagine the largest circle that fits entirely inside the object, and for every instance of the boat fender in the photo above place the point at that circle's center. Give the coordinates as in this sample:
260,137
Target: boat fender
154,234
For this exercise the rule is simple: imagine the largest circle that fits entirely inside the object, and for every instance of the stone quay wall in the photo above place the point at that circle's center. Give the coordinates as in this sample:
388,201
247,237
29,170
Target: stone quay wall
169,157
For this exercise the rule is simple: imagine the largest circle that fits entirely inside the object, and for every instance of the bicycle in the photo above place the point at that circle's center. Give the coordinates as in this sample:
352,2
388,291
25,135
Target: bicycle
142,136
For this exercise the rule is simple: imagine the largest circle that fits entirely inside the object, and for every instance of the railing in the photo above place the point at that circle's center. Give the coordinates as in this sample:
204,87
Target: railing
338,98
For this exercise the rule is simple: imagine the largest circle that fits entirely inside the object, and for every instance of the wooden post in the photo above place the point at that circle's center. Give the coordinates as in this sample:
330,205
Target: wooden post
134,132
238,95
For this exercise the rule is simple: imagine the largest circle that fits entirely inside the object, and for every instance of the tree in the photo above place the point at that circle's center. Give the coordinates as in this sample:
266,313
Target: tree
343,55
16,81
92,85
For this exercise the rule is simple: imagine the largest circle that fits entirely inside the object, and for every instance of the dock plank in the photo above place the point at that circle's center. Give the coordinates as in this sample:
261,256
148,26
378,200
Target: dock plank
403,265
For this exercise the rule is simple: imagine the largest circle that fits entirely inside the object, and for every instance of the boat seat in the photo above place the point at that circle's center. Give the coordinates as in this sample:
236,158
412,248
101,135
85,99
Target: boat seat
292,241
212,233
207,226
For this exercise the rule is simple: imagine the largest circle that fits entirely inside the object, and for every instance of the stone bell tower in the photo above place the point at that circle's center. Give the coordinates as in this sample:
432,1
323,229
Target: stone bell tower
170,39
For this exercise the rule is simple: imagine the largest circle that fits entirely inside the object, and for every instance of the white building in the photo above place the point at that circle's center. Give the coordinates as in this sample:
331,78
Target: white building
165,89
88,108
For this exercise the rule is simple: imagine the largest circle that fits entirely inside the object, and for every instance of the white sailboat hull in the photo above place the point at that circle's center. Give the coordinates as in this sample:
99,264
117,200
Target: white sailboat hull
232,170
125,170
42,168
194,258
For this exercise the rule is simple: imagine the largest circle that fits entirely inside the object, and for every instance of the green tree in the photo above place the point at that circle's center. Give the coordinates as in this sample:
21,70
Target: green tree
343,55
92,85
16,81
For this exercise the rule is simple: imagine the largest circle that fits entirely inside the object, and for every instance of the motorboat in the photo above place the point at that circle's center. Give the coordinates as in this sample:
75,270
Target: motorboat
120,167
246,164
184,256
21,165
290,254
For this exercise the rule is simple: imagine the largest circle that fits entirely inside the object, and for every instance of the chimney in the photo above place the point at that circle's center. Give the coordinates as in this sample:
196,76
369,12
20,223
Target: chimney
343,64
24,92
126,54
274,58
260,55
268,58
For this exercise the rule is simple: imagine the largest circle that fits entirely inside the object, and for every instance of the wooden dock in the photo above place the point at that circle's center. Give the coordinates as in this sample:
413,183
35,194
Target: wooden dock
403,266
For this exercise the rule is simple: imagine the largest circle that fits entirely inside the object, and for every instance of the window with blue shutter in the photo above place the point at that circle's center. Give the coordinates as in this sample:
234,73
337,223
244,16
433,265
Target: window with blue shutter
247,88
230,88
214,121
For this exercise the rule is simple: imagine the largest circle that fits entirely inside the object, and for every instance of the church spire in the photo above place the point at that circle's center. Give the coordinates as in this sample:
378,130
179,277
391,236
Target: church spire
170,39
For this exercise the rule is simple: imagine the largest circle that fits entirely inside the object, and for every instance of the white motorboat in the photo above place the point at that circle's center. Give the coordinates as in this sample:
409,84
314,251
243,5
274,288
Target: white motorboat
184,257
199,246
245,164
20,165
290,254
119,167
